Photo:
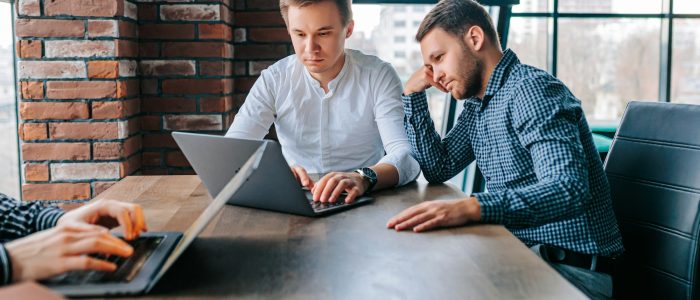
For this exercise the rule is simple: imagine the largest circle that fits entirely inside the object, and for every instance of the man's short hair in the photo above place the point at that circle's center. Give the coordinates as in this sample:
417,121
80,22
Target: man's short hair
343,8
456,17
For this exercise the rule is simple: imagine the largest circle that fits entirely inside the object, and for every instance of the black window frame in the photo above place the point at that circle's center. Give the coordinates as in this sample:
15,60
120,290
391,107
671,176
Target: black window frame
667,17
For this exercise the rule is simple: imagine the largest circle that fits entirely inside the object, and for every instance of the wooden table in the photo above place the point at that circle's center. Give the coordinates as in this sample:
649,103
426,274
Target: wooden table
249,253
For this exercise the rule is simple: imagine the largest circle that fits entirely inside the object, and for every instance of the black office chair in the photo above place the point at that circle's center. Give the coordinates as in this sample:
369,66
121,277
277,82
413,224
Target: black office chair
654,172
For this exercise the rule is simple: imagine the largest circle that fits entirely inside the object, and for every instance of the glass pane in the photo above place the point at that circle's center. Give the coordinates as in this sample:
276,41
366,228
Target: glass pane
388,31
528,39
608,62
532,6
686,7
685,74
9,170
611,6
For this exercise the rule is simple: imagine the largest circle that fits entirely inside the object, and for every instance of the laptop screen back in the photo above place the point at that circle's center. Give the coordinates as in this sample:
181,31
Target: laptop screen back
214,207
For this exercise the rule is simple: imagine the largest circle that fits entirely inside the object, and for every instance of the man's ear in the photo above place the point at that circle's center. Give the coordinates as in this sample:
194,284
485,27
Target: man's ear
351,27
474,38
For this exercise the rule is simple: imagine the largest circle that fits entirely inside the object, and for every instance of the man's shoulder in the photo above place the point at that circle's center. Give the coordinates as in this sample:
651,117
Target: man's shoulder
367,62
523,74
531,86
526,80
283,66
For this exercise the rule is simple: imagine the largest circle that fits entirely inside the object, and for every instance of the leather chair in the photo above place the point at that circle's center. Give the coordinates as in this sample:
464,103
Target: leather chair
654,172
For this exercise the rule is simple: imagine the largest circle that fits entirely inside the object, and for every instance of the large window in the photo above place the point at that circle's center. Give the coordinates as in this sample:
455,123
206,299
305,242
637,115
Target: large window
609,52
388,31
9,167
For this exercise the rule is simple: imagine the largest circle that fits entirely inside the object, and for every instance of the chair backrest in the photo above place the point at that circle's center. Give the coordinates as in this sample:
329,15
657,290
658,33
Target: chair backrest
654,172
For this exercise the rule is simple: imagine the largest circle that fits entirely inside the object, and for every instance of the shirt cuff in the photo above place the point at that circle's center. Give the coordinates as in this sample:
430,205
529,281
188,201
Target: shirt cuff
492,210
5,267
415,103
407,167
48,217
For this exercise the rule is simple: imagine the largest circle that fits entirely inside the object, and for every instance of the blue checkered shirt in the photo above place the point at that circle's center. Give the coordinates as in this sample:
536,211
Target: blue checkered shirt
544,177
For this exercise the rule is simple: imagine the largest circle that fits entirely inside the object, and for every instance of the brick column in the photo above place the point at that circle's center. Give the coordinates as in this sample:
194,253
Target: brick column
103,83
260,39
78,96
187,82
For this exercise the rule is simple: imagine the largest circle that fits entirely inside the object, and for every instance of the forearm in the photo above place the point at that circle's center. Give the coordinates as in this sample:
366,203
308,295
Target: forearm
534,205
439,159
403,162
387,176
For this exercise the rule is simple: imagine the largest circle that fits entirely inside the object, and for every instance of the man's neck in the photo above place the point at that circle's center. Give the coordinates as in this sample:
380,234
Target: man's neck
326,77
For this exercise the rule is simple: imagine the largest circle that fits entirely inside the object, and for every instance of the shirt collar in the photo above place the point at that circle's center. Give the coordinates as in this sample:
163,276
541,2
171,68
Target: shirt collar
334,82
500,73
498,76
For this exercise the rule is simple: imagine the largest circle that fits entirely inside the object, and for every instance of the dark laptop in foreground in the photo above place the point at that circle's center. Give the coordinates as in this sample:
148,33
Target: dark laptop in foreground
273,187
154,252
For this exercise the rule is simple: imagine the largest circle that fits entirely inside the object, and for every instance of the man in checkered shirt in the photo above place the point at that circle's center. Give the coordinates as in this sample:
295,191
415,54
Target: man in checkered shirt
529,137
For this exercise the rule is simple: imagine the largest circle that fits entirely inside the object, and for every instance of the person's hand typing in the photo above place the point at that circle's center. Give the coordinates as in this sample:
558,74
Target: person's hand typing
302,177
109,214
63,248
331,186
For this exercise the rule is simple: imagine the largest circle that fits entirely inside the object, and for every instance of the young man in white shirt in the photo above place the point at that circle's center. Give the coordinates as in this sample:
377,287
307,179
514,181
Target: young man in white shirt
335,110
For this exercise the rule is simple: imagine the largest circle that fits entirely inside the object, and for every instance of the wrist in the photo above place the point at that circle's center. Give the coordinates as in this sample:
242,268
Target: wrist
409,92
364,182
8,272
369,178
472,209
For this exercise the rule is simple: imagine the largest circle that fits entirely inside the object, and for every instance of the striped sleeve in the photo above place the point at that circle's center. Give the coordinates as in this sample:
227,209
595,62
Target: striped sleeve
19,219
5,267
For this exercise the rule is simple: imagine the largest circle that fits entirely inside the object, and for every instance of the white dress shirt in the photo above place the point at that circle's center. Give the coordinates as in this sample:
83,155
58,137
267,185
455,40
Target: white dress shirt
347,128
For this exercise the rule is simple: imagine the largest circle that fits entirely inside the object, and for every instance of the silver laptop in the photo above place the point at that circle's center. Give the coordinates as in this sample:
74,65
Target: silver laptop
154,252
273,187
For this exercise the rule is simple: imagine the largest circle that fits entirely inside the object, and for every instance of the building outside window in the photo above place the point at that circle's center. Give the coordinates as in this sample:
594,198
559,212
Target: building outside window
9,154
378,23
609,52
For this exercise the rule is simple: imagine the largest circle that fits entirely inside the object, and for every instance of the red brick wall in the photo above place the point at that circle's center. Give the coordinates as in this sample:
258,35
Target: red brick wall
103,83
187,83
79,96
260,39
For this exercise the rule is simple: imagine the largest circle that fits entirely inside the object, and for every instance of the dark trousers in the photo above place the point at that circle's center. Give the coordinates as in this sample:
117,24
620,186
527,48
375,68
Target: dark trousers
595,285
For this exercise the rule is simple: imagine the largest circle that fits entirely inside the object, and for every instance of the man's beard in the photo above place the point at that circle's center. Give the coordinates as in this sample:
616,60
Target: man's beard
470,73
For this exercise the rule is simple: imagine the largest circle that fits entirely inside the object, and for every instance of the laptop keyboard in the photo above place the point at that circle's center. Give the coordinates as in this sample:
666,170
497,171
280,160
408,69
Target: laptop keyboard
127,267
319,206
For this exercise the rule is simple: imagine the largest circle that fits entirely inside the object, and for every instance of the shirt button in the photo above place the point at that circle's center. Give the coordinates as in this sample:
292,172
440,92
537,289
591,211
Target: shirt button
488,178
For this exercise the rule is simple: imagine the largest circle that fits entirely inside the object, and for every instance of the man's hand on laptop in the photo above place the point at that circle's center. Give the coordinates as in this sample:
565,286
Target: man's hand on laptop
109,214
63,248
331,186
302,177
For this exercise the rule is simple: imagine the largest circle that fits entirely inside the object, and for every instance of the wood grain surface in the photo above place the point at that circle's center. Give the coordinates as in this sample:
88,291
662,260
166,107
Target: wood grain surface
256,254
